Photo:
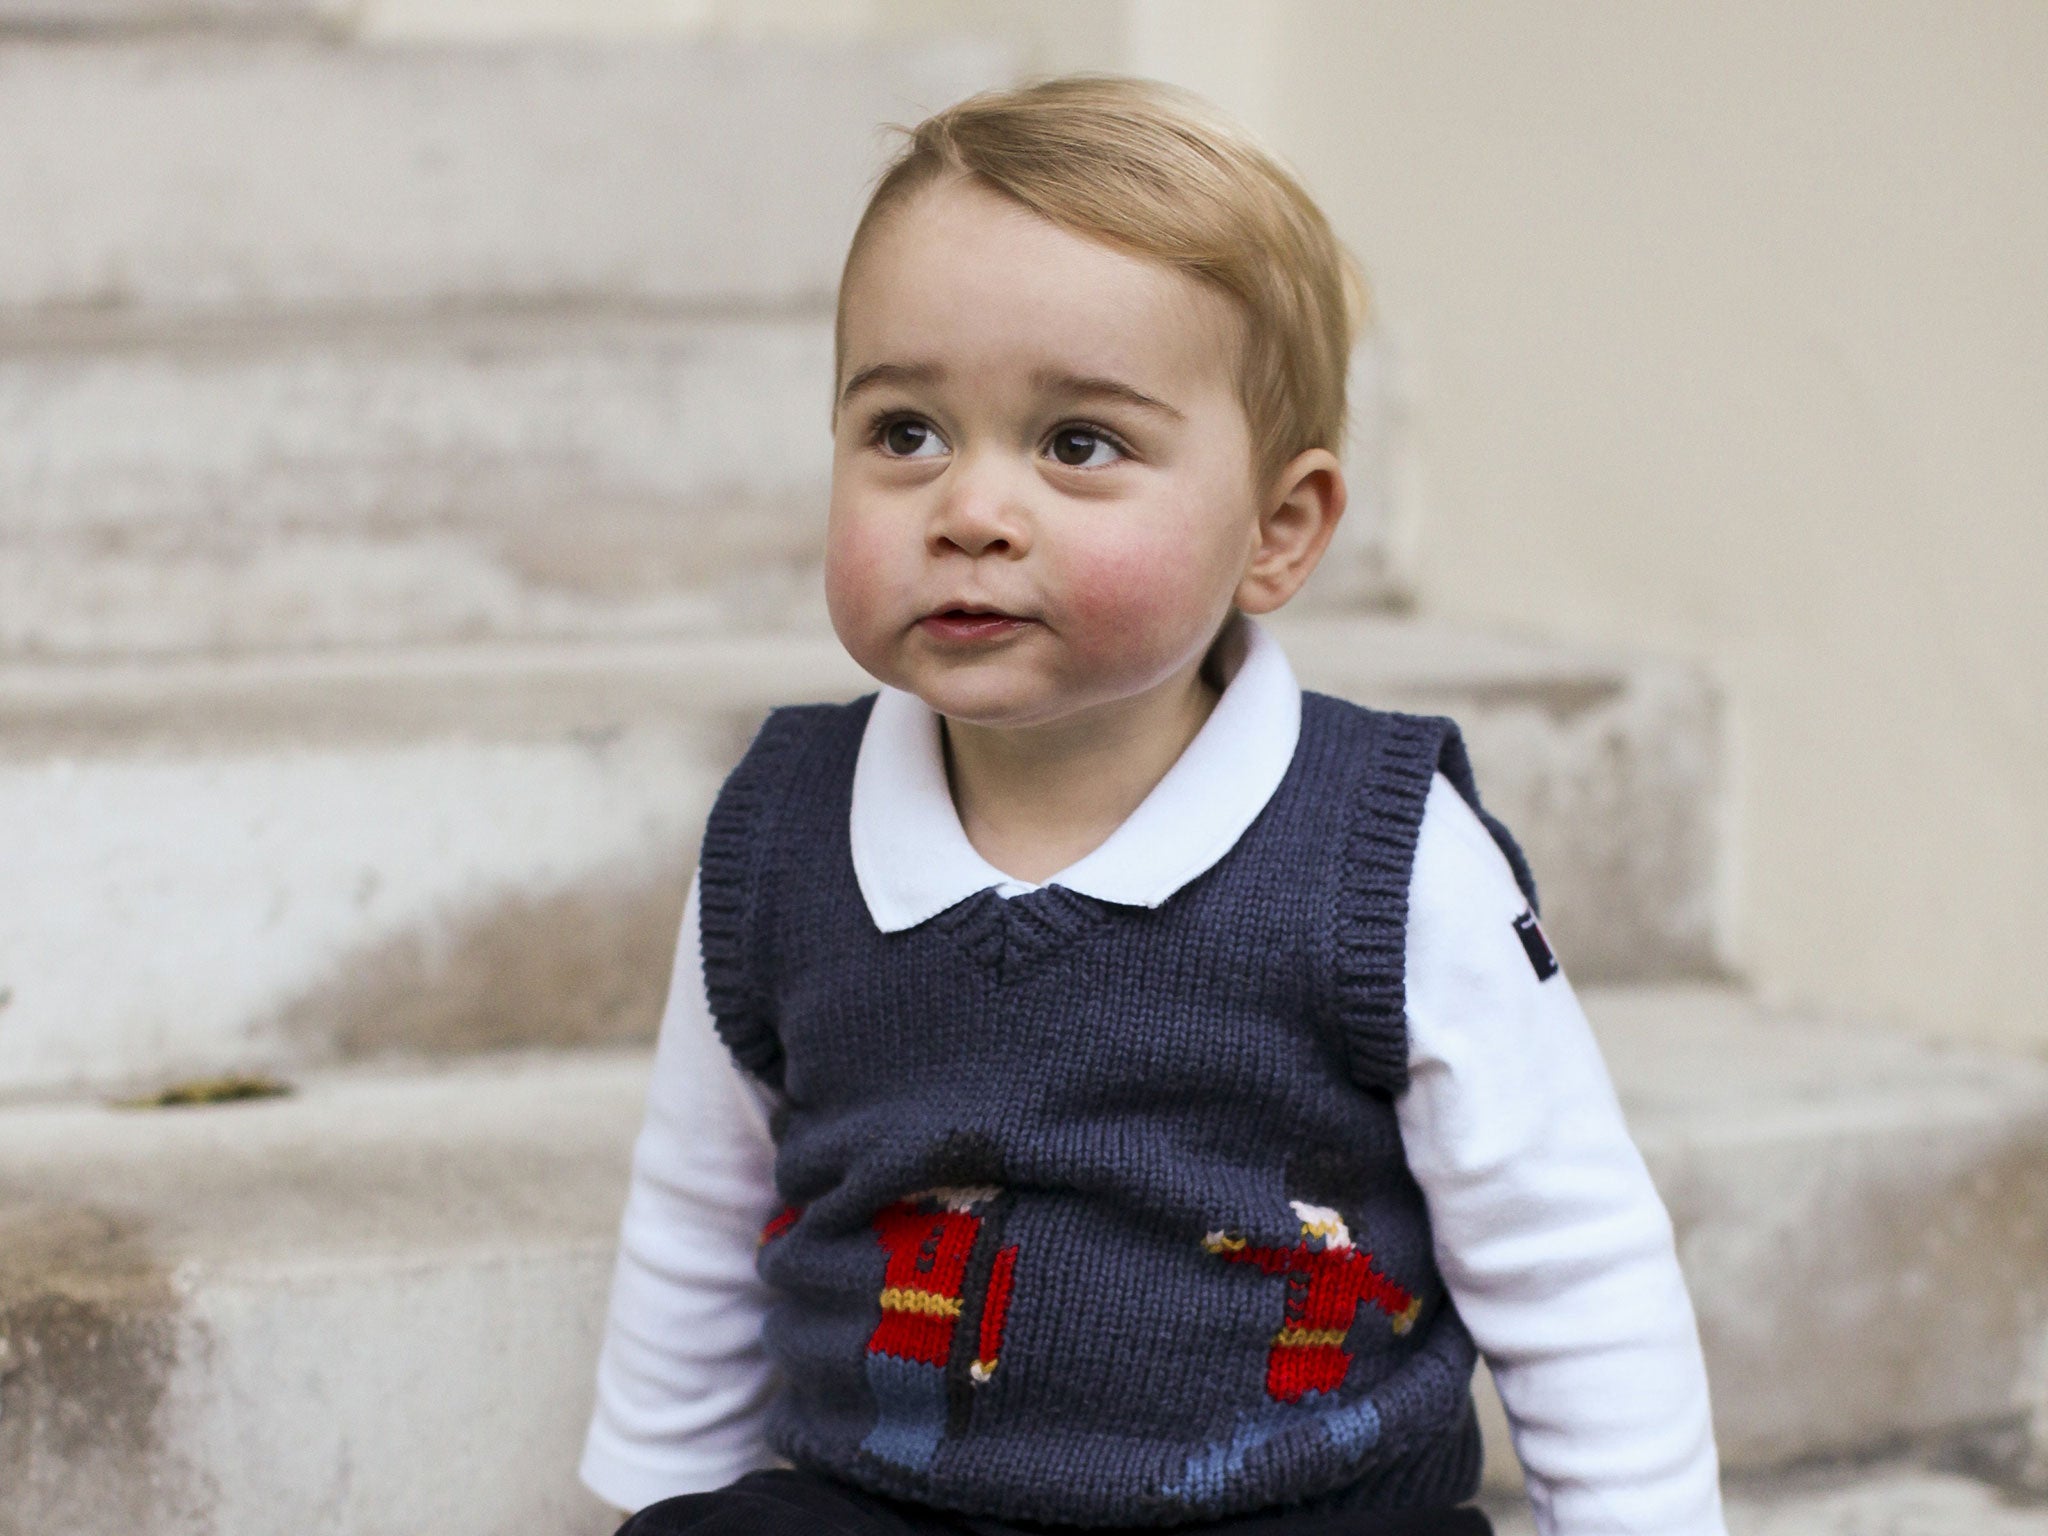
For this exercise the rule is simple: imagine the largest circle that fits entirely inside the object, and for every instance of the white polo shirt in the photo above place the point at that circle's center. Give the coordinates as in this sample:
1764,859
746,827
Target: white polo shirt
1552,1241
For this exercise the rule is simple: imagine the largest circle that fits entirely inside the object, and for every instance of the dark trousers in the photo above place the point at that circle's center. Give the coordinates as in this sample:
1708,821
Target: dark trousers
794,1503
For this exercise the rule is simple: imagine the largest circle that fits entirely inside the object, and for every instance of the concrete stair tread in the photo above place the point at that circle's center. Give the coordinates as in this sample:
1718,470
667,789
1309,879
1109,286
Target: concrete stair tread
430,1208
460,1140
1887,1499
372,1136
100,16
1712,1060
515,1152
570,681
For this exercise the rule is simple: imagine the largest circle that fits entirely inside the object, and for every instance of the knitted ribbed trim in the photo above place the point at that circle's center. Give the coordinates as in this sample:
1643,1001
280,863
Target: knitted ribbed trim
1457,767
1372,899
1438,1473
1372,896
731,869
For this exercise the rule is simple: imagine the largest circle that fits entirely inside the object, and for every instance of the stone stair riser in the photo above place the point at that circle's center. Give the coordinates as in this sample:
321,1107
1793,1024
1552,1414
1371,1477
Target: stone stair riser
302,1402
89,18
346,488
1838,1322
295,904
155,176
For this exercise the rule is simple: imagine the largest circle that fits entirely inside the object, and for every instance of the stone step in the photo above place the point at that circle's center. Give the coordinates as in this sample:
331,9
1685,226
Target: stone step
271,485
337,1311
1891,1498
95,17
260,863
370,1308
265,487
152,175
1862,1220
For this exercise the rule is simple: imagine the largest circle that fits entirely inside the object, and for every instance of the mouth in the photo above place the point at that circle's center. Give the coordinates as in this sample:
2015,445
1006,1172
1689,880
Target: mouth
970,621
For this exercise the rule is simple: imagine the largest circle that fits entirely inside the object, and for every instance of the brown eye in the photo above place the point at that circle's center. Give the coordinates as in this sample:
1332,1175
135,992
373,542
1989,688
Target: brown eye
1076,446
907,438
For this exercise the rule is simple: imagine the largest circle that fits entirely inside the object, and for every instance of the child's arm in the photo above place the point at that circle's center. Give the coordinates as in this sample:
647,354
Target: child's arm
682,1381
1551,1238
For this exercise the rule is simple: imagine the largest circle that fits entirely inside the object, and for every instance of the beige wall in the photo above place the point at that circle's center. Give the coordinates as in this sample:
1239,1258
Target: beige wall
1727,334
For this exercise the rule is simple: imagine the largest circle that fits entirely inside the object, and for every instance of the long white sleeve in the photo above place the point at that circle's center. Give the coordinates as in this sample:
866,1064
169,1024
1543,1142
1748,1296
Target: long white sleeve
1551,1238
683,1383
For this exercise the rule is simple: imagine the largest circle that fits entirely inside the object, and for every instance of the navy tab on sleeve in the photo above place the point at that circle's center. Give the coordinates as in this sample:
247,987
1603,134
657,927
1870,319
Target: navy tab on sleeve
1535,946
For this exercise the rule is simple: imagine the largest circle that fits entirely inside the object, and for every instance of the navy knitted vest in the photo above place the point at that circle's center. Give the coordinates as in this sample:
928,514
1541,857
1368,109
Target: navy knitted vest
1098,1214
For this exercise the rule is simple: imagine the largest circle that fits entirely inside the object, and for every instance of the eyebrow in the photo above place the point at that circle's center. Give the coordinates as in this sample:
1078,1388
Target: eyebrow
1047,379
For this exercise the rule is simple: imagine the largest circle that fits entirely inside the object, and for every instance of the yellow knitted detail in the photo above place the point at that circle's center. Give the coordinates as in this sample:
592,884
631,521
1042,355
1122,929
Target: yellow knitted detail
1290,1338
898,1298
1222,1242
1407,1318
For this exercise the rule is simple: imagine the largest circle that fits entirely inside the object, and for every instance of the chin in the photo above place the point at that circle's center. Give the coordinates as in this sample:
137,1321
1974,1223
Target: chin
971,706
995,702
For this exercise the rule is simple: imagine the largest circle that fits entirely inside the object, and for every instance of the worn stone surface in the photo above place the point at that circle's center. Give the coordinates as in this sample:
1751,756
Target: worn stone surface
303,856
1878,1500
88,1344
370,1308
1863,1220
153,176
1863,1224
93,17
283,487
584,966
302,903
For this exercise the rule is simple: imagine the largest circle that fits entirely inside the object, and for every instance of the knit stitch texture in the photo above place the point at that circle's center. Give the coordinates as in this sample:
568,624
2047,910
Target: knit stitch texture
1098,1214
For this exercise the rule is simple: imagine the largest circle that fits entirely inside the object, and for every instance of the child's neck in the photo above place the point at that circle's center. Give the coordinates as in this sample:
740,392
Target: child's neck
1034,800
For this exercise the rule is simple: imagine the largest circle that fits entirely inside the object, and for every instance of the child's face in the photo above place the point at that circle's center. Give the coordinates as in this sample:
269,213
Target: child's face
1041,425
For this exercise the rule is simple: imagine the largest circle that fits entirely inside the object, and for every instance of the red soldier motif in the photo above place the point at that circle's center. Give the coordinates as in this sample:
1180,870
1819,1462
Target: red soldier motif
1327,1277
1325,1284
920,1364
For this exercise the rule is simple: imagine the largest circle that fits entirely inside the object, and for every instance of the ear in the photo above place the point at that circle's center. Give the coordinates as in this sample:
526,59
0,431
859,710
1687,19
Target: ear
1302,507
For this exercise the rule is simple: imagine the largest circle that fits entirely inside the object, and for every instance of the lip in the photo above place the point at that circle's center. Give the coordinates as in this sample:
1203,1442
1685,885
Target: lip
969,622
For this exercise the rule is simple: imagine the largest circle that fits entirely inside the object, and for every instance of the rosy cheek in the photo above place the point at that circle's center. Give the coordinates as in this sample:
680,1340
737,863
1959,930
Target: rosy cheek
1124,599
864,570
849,562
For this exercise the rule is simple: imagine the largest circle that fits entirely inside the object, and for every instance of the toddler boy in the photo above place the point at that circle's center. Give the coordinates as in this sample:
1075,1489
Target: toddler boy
1104,1085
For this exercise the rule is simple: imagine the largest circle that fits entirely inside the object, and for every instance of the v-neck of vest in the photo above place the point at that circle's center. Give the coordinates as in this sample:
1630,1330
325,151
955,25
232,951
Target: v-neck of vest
1010,934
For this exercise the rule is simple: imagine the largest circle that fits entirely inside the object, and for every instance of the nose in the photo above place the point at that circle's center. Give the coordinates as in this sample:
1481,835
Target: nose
979,512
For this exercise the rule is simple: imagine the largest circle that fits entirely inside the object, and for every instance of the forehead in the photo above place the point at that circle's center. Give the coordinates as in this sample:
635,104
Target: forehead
968,279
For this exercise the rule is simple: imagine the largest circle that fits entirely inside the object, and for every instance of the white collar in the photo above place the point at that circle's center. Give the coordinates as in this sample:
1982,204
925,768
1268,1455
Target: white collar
913,860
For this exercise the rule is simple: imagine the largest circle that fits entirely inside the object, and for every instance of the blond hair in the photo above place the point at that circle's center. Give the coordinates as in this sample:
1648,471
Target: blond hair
1157,171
